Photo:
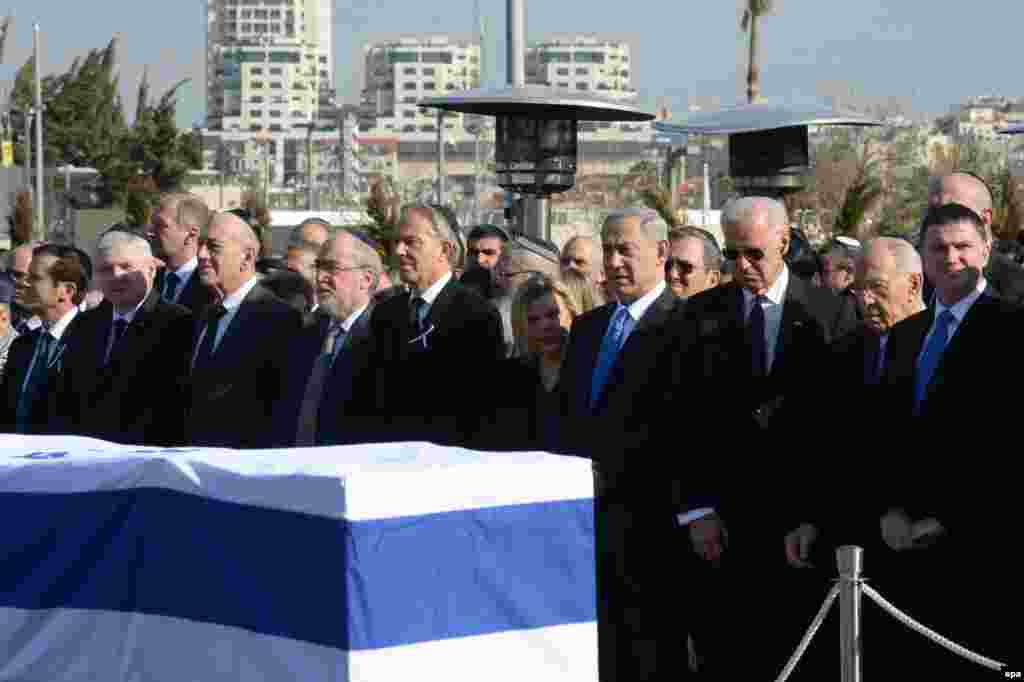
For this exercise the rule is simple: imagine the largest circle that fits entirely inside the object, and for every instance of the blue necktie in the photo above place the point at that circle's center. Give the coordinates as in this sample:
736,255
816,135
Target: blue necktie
930,358
36,380
614,339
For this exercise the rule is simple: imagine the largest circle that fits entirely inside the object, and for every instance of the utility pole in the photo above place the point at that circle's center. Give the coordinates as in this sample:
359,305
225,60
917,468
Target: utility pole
40,226
440,158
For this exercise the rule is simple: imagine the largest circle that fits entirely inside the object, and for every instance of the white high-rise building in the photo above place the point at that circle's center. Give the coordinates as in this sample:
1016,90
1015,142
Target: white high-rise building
399,73
269,73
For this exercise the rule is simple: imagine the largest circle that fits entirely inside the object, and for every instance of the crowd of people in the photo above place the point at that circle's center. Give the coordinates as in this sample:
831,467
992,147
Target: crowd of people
746,411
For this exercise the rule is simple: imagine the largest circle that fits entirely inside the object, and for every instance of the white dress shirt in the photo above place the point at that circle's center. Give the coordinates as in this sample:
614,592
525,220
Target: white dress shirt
776,296
432,292
231,304
184,274
56,330
640,306
959,310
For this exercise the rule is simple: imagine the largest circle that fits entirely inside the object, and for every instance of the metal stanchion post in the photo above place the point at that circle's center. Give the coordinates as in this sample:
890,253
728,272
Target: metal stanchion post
850,560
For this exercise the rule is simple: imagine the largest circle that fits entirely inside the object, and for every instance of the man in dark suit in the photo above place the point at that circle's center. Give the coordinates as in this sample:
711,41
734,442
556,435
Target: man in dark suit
941,368
336,342
127,361
57,280
175,238
406,392
753,350
240,359
613,355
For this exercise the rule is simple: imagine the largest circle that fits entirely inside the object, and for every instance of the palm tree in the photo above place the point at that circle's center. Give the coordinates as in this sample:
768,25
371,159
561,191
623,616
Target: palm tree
751,23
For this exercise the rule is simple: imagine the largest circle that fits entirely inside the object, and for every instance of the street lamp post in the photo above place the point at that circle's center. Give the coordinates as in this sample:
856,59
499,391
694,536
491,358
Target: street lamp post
264,139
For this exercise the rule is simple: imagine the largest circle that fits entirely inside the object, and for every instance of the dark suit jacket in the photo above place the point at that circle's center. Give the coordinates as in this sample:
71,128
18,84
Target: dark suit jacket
405,394
195,296
338,384
618,427
232,401
139,397
18,359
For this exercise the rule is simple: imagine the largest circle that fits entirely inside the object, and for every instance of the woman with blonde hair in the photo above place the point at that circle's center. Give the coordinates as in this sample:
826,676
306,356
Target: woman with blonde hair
542,313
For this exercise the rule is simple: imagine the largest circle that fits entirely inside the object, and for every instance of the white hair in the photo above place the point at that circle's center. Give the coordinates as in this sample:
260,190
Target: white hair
906,257
749,209
119,239
651,222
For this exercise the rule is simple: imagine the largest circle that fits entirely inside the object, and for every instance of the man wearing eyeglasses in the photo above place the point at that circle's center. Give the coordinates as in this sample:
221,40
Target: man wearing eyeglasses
753,349
695,261
328,353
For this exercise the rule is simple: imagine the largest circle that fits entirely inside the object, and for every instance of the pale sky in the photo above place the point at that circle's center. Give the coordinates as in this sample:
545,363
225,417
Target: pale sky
935,53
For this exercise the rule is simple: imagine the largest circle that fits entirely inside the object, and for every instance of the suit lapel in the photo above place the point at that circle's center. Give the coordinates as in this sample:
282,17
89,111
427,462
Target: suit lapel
793,317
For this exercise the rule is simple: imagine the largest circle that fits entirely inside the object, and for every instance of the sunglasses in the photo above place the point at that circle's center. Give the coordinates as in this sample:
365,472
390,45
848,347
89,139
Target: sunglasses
751,255
684,267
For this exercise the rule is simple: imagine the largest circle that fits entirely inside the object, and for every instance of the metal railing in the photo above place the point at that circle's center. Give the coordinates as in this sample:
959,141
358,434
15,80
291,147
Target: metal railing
850,588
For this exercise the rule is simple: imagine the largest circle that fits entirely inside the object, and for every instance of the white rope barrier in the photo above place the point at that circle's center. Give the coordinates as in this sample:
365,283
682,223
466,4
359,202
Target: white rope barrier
849,559
809,635
930,634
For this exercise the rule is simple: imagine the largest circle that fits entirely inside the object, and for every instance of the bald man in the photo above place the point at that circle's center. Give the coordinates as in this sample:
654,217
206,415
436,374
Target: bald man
750,350
1005,277
240,352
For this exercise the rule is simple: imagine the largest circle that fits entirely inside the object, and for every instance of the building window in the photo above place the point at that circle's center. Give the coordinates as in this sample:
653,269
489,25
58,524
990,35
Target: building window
408,114
409,71
275,126
563,85
256,85
562,72
298,114
276,71
323,74
275,113
256,113
256,99
409,100
582,86
582,72
428,86
275,85
256,71
409,86
428,72
323,60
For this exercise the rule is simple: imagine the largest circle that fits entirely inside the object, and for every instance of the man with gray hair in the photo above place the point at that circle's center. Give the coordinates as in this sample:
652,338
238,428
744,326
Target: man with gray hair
405,392
126,360
239,361
611,360
753,350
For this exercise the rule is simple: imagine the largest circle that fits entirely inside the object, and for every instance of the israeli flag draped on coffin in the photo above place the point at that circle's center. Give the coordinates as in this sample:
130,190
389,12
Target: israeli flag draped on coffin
363,563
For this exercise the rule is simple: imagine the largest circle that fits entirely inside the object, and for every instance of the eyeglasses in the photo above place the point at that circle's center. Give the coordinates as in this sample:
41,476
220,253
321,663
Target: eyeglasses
332,268
751,255
684,267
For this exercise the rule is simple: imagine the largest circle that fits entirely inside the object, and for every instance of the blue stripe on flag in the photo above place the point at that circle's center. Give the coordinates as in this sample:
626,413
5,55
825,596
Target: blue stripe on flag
290,575
471,572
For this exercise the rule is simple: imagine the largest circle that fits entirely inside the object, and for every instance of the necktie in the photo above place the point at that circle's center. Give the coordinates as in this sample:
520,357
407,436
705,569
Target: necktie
872,361
417,314
614,339
333,341
116,334
171,282
35,382
205,353
931,356
758,343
